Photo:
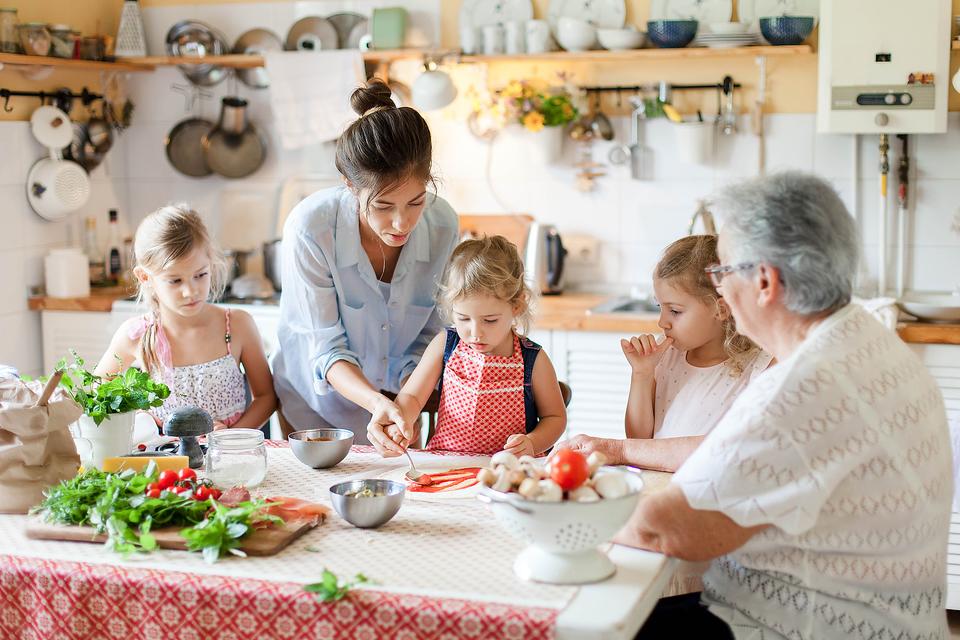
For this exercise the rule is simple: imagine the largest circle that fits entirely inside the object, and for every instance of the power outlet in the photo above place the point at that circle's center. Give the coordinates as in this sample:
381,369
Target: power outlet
581,249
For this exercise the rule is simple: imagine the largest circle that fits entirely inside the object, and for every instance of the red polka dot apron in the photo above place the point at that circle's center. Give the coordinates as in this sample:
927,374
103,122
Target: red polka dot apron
481,401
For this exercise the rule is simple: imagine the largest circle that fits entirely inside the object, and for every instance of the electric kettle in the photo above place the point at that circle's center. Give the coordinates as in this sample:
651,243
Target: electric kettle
543,259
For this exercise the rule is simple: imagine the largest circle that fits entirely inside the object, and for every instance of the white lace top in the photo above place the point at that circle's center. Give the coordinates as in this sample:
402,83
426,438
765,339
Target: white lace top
842,448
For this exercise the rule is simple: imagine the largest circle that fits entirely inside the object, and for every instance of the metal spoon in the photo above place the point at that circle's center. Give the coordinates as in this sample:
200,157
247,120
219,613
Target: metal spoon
417,477
600,124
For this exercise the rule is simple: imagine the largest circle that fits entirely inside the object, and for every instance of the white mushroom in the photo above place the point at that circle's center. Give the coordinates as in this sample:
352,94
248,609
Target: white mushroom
516,477
595,460
486,477
529,488
505,458
583,493
550,491
530,466
612,484
503,480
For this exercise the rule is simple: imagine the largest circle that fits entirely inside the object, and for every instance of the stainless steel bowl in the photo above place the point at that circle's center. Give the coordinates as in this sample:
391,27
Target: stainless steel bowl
367,512
321,454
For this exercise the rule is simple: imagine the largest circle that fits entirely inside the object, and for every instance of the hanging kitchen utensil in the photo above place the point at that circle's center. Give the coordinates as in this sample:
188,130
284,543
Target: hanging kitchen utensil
729,125
350,28
256,42
194,39
184,146
600,124
312,33
55,187
234,148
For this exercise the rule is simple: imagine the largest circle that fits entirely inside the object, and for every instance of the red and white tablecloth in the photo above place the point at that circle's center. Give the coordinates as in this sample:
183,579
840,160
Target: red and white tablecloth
442,570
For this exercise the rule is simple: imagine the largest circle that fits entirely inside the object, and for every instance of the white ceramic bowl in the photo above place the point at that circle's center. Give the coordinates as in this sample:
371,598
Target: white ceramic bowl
936,307
576,35
728,28
621,39
562,537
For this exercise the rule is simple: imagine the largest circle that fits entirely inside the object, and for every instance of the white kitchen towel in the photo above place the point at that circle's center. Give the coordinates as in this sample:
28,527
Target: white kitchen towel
310,93
883,309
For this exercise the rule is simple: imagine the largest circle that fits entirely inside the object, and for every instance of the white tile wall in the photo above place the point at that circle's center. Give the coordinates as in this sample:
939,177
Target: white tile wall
632,220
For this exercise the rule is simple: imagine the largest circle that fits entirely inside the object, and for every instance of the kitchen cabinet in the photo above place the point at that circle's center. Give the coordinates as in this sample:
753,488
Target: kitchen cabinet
87,332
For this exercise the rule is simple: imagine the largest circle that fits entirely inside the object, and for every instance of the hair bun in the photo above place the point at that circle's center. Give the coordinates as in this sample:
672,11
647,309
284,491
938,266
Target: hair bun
375,94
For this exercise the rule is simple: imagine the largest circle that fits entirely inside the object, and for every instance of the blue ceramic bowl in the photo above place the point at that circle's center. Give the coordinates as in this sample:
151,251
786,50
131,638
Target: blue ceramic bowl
786,29
671,34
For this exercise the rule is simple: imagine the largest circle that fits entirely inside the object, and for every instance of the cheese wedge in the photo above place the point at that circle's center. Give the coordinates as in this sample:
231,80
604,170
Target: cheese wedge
139,463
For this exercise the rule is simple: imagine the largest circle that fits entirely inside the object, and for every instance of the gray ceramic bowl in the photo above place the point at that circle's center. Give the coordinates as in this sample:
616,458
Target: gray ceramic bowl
321,448
367,512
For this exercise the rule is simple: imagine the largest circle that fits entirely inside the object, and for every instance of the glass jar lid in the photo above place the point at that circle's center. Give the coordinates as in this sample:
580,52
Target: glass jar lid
58,27
235,439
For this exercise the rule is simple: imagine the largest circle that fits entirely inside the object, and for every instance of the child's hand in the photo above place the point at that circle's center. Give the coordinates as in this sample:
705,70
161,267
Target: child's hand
519,444
385,425
643,353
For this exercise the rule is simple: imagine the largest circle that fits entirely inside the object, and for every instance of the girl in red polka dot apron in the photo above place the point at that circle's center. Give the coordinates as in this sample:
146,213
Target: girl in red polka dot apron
498,391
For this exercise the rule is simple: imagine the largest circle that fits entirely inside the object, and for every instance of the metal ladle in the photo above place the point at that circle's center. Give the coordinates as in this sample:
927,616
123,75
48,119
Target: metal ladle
600,124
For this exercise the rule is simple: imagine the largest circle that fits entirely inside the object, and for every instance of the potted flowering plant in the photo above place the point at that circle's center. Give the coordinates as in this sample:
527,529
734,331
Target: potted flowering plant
524,107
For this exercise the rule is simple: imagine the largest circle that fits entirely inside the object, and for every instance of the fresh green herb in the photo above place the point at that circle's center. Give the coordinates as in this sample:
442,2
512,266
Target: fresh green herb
312,549
99,397
331,588
115,504
221,531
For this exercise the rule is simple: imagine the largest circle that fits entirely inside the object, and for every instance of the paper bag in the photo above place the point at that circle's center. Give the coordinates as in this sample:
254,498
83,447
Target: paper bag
36,448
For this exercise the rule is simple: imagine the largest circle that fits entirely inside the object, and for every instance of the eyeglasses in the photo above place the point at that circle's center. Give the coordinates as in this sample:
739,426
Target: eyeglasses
718,272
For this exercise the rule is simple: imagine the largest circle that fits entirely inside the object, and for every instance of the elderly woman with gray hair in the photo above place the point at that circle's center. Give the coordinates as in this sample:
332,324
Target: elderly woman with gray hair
823,495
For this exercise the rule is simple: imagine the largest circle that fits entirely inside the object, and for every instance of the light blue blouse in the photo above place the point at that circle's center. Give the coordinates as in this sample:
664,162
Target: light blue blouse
332,307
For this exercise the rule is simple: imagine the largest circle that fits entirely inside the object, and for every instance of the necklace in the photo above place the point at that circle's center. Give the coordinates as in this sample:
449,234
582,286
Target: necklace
383,257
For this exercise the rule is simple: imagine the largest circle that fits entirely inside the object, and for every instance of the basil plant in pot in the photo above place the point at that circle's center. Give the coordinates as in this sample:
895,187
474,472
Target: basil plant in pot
109,407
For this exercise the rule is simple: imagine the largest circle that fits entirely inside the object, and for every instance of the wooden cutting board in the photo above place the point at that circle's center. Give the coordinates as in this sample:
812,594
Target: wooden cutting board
514,227
261,542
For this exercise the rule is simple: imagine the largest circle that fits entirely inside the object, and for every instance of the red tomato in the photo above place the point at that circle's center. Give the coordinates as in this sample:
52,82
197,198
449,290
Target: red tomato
202,493
179,490
167,478
153,493
152,486
569,469
215,493
186,474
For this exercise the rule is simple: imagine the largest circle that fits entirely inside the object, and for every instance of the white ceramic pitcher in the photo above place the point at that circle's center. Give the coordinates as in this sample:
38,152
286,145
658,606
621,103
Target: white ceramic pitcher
112,437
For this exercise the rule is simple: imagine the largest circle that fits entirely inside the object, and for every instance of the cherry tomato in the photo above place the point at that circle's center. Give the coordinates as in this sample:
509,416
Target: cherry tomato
152,486
569,469
202,493
186,474
179,490
215,493
153,493
167,479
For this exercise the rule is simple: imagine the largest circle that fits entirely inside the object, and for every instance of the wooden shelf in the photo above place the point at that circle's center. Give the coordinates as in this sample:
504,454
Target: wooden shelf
244,61
70,64
250,61
648,54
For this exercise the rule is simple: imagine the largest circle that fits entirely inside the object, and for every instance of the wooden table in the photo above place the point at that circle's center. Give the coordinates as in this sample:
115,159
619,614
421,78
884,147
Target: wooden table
442,569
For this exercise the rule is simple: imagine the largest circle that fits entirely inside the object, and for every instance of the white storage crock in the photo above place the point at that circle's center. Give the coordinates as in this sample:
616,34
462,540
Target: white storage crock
67,274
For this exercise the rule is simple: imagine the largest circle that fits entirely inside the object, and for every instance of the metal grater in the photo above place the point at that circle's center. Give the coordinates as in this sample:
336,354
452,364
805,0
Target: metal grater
131,40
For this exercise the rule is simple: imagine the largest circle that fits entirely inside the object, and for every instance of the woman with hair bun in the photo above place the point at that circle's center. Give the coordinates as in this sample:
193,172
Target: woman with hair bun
360,267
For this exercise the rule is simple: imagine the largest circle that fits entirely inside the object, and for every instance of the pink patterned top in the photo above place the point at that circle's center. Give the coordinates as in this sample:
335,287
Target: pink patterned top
218,386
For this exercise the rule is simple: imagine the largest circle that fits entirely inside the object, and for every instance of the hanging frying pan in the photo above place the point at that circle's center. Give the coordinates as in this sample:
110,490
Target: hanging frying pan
185,147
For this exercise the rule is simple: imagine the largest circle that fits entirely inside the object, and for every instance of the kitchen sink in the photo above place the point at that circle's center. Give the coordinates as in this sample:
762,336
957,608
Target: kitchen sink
627,306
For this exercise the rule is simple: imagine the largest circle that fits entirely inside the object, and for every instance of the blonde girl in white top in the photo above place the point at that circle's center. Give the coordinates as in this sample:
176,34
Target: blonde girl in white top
681,386
207,355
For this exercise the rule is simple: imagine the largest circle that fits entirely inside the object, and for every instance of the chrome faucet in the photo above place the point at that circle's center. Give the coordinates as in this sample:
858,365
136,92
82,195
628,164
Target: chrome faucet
709,226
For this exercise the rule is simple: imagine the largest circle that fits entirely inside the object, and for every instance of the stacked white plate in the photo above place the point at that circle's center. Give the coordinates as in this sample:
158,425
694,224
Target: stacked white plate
725,40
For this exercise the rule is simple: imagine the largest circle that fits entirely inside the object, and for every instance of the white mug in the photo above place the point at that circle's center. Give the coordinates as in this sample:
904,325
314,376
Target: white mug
538,36
514,36
694,141
470,39
493,39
